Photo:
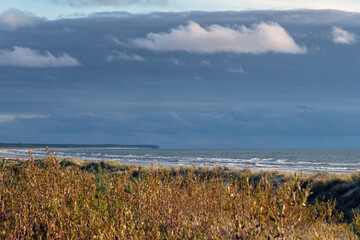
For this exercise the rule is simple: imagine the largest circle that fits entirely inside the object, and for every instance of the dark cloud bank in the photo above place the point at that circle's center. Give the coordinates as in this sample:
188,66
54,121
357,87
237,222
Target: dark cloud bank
117,78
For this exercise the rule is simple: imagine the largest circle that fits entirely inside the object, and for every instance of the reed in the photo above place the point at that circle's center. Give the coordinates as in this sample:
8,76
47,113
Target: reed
49,199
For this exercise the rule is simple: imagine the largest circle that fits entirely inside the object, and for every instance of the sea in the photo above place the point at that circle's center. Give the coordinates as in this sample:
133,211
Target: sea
287,160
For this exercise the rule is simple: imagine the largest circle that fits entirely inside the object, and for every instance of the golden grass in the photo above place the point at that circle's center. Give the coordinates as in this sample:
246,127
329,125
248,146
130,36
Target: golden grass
67,199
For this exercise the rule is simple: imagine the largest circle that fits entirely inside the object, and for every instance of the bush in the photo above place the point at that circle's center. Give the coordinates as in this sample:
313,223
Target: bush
50,201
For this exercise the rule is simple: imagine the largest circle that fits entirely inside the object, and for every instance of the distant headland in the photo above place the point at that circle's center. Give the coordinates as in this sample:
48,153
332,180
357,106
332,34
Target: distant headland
39,145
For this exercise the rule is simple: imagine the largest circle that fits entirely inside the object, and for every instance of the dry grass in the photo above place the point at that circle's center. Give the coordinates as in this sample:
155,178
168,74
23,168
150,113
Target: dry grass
66,199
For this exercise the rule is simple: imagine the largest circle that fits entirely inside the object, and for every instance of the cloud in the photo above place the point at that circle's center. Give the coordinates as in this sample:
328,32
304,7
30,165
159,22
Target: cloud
117,41
236,70
259,38
205,62
175,61
342,36
69,30
108,2
26,57
14,18
116,55
14,117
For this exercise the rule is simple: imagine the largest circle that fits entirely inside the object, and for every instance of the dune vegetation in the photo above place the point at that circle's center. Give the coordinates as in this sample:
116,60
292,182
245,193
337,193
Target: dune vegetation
73,199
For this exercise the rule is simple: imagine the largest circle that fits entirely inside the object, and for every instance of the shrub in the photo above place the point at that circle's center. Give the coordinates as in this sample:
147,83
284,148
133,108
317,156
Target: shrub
46,200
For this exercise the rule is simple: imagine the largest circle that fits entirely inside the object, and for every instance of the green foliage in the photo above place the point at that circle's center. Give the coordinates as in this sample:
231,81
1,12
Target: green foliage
102,182
2,165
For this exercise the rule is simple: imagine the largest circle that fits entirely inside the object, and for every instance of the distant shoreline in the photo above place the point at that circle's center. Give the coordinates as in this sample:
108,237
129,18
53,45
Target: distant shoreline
54,147
17,157
51,148
75,146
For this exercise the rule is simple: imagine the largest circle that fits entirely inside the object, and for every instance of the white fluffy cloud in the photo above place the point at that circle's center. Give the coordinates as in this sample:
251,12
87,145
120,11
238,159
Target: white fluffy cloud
236,70
175,61
26,57
14,18
116,40
205,62
14,117
116,55
342,36
259,38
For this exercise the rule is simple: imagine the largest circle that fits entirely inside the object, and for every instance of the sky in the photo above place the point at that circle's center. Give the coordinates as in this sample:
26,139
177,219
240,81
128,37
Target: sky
181,74
54,9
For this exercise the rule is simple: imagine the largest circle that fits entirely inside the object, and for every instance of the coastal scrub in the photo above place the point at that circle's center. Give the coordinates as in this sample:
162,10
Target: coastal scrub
50,200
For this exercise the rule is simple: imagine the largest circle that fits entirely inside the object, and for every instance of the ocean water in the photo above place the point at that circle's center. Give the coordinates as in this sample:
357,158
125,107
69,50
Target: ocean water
311,161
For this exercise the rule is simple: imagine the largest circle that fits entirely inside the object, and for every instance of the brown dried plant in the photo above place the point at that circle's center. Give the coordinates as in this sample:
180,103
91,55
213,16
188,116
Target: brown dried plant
44,200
